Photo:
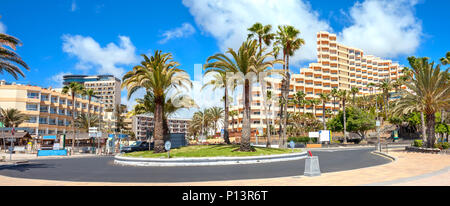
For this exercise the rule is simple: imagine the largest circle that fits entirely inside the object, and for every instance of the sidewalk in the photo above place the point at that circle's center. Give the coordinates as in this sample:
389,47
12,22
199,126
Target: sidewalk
21,157
409,169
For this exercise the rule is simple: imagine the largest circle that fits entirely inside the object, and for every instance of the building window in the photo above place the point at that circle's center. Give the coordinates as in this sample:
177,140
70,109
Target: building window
32,119
43,120
44,97
53,110
32,107
44,109
33,95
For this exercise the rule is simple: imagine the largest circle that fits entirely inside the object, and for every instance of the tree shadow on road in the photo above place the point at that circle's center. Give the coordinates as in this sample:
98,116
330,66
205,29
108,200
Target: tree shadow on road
24,167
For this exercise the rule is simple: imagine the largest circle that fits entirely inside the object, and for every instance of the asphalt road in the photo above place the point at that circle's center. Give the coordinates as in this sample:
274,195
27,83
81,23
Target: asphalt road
102,169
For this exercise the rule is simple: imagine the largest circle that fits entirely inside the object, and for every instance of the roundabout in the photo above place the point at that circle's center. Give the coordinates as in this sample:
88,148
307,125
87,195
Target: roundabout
103,169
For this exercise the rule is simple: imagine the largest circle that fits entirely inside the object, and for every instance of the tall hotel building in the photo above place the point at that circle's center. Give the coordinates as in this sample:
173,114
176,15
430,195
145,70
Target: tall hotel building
106,87
143,123
338,66
49,111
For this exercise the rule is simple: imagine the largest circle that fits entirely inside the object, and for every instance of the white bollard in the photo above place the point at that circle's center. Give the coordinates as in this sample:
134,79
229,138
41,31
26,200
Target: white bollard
312,167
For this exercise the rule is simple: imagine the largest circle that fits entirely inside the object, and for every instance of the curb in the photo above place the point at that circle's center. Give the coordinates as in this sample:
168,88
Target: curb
212,161
385,155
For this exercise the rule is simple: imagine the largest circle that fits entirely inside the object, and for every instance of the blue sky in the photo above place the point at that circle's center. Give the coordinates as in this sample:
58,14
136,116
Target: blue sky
107,36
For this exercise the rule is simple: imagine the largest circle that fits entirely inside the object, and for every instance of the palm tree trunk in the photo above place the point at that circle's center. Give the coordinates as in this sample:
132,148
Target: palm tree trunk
424,128
263,90
345,123
323,116
268,130
159,130
334,103
73,122
431,136
89,116
246,130
226,136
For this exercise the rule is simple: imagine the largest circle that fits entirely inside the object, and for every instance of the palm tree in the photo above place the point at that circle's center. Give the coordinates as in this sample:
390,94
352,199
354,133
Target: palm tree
157,74
73,88
314,102
89,93
354,91
12,117
445,60
430,92
172,105
120,120
288,40
269,99
343,95
325,97
220,81
245,61
84,121
9,60
334,94
233,114
371,86
299,98
217,115
202,121
386,85
261,33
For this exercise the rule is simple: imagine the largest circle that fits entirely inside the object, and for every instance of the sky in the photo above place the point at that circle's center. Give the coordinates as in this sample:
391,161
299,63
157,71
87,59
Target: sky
108,36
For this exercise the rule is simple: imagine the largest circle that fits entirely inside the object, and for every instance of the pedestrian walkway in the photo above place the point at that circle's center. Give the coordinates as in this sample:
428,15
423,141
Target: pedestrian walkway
409,169
21,157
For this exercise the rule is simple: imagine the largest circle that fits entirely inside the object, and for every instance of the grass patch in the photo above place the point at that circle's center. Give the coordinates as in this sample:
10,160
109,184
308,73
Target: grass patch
211,151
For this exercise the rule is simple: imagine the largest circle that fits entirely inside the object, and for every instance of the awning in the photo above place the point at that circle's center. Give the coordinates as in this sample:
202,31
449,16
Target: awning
17,135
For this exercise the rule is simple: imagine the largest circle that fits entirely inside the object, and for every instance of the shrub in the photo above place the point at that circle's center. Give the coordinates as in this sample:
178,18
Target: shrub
418,143
445,145
303,140
442,145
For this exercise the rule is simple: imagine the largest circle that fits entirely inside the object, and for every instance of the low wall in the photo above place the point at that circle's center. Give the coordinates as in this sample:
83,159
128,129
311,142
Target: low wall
426,150
207,161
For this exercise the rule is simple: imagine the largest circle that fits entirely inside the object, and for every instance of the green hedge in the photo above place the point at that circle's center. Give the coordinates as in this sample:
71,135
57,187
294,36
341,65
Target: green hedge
418,143
302,139
442,145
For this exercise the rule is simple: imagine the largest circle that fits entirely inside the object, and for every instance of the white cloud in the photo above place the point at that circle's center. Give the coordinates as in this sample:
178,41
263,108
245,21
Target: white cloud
228,21
56,81
104,60
383,28
73,6
184,31
2,28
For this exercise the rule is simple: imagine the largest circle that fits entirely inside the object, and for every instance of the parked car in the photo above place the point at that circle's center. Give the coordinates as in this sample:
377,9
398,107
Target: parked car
137,146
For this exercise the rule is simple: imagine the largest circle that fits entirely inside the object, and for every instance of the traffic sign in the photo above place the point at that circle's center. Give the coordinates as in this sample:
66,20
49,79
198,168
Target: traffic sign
292,144
167,145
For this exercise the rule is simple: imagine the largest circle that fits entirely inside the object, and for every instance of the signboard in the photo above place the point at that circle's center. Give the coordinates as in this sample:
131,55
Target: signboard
167,145
49,137
292,144
314,135
56,146
92,129
260,131
377,123
324,136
